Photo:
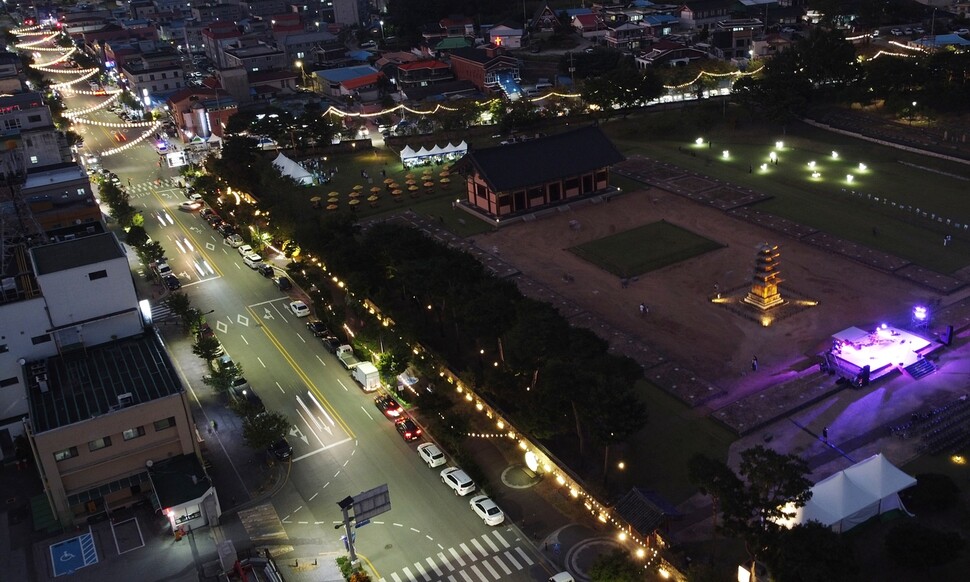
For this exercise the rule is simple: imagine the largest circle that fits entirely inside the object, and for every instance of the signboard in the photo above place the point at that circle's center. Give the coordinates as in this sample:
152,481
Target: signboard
371,503
175,159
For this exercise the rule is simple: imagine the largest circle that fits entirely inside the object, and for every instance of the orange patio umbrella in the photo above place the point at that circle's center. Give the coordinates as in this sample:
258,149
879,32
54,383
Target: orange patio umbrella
394,186
358,187
331,207
444,173
429,184
411,182
388,180
445,180
413,187
316,199
375,189
355,202
396,192
409,175
373,198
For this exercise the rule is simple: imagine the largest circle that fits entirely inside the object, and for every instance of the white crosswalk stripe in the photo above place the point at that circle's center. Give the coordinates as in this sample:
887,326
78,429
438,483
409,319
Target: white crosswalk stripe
421,572
490,543
478,546
160,311
471,555
473,561
517,565
501,540
490,569
524,555
457,558
481,577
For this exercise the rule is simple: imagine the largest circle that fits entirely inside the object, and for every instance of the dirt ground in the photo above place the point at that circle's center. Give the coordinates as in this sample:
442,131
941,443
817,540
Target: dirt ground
682,322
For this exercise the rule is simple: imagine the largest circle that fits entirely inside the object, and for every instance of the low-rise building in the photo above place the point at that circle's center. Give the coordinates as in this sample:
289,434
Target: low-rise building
483,66
60,196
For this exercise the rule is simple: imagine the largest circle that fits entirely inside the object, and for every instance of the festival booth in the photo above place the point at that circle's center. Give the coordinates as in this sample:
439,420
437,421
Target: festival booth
435,155
292,169
854,495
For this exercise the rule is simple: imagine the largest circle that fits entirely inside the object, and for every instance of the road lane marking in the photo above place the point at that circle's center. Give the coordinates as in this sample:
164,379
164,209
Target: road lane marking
280,387
244,339
367,413
434,566
444,560
310,426
342,385
515,562
503,566
321,361
457,558
524,555
320,450
478,573
260,360
491,570
471,555
490,543
501,539
407,572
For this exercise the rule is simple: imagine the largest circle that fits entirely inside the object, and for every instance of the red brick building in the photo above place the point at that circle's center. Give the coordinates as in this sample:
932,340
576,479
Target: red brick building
482,66
523,177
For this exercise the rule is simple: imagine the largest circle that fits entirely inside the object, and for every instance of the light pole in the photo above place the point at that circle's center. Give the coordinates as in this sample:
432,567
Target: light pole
381,22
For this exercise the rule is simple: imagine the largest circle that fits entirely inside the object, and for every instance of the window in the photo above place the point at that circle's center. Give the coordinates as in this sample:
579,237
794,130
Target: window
65,454
133,433
98,275
81,192
41,339
151,77
12,381
33,118
33,159
164,423
98,444
4,349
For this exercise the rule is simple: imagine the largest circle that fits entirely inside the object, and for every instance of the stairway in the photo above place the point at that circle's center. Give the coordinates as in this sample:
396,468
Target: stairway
920,368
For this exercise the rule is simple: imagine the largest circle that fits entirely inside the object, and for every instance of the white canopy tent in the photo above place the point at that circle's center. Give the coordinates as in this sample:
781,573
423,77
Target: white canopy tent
409,157
290,168
852,496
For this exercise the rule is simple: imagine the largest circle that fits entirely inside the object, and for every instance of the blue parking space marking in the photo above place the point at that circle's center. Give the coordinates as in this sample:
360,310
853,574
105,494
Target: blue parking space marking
70,555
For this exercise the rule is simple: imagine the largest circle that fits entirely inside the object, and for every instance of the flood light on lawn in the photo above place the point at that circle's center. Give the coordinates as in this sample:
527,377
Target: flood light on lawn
862,167
764,167
699,141
773,156
779,145
726,154
816,175
849,178
811,165
835,155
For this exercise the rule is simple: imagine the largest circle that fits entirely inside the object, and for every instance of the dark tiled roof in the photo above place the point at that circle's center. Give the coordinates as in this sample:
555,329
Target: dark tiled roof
440,90
644,510
86,383
76,253
542,160
178,480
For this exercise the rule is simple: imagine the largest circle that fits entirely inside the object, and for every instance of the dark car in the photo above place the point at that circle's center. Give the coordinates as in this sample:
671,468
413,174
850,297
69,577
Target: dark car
388,406
281,450
172,282
205,331
225,229
317,328
265,270
331,342
206,213
408,429
283,283
213,219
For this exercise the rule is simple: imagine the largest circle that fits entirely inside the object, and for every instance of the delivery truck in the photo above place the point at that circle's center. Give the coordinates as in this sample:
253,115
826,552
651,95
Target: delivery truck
366,374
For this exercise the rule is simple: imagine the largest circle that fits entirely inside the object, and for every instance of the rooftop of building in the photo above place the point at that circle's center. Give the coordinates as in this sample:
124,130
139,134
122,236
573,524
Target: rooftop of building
83,384
178,480
71,254
54,175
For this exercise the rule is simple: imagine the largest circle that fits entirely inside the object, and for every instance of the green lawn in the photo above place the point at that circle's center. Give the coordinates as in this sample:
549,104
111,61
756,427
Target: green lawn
901,181
644,249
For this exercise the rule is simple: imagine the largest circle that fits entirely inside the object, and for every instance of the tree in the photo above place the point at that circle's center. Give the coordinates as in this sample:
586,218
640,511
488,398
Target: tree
393,362
616,566
220,380
207,347
811,552
916,546
715,479
181,306
150,252
768,487
136,237
261,429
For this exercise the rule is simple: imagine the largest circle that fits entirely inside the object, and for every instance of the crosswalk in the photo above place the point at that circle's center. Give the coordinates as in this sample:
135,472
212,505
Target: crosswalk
486,558
142,188
161,311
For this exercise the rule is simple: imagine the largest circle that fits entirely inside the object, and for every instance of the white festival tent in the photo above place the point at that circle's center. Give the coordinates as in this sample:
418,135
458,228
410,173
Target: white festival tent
288,167
409,157
852,496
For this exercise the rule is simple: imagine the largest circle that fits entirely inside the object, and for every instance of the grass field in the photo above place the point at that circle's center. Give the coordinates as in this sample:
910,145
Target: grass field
644,249
901,181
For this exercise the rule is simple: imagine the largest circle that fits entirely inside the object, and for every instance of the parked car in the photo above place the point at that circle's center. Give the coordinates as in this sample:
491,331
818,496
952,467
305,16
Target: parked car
283,283
244,250
388,406
432,455
317,328
896,32
281,449
265,270
458,480
233,240
172,282
299,308
409,430
190,205
252,260
331,342
163,269
487,510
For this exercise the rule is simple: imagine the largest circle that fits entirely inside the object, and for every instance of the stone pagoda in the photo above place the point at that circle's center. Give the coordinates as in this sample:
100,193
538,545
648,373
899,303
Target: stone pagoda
764,285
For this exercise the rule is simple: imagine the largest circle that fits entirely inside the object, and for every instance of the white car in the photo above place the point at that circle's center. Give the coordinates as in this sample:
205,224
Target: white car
299,308
487,510
233,240
163,269
252,260
190,205
458,480
432,455
245,250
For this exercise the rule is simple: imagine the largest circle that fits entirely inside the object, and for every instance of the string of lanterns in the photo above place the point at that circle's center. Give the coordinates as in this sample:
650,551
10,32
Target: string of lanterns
29,31
114,124
133,142
31,44
73,113
80,79
715,75
59,59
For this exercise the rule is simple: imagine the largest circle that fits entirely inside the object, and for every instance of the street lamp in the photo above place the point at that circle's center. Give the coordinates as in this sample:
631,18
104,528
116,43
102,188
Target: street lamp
381,22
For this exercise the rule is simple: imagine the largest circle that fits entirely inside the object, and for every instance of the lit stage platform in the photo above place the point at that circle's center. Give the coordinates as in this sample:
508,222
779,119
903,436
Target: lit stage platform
884,350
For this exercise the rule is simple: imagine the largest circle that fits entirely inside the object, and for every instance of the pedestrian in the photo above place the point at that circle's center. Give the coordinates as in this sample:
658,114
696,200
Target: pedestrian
129,181
643,309
215,425
383,173
717,290
754,363
749,168
825,434
875,232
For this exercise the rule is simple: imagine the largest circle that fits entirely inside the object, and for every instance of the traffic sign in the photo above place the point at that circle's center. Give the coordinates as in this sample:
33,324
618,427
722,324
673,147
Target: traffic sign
361,523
